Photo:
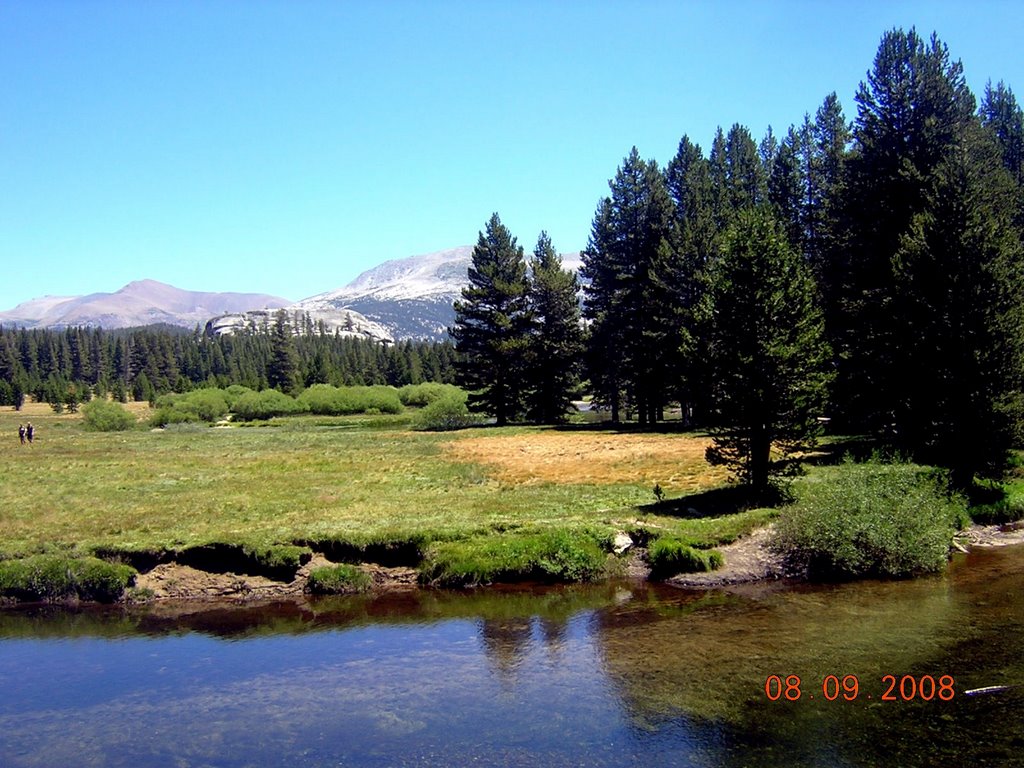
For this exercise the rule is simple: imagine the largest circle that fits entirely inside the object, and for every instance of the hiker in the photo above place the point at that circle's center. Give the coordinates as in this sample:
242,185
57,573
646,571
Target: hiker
21,433
30,431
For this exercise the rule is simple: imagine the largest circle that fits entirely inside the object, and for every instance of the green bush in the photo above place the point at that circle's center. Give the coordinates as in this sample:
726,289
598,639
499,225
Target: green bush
106,416
323,399
200,405
549,556
251,406
997,503
58,577
232,393
420,395
669,556
445,414
338,579
889,520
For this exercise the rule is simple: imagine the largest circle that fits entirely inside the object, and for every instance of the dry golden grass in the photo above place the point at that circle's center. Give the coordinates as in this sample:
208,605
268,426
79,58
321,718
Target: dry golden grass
676,462
33,411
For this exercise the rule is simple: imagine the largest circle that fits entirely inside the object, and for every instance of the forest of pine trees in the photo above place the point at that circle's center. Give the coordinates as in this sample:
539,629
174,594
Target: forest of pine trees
869,272
72,365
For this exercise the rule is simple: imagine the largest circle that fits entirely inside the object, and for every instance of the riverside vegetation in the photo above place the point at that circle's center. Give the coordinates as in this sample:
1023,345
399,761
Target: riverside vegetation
84,508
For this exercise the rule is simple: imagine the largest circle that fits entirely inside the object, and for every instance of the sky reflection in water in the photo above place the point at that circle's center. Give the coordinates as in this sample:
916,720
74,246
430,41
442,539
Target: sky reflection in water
605,675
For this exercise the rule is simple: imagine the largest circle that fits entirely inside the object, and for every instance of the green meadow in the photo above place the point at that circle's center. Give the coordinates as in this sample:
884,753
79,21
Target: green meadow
354,484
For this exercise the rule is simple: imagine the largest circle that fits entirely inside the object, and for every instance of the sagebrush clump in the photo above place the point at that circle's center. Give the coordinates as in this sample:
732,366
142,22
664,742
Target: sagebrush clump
872,519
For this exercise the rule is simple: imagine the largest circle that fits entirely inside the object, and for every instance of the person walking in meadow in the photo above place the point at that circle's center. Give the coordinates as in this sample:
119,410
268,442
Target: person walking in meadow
21,433
30,432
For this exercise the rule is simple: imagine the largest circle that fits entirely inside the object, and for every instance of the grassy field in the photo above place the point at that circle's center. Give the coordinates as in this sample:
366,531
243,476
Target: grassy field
344,480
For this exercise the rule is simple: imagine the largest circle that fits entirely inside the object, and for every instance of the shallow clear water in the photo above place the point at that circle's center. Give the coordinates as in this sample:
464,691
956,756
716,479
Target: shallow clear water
616,675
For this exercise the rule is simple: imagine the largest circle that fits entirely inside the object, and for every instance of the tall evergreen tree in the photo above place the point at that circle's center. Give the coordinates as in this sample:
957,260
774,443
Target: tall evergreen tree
825,152
912,112
765,342
787,187
283,367
698,237
958,276
556,345
627,262
492,325
1001,114
746,180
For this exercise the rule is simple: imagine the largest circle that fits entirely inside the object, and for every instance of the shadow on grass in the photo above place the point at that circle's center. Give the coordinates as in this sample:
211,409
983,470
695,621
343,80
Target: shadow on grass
833,450
716,502
629,427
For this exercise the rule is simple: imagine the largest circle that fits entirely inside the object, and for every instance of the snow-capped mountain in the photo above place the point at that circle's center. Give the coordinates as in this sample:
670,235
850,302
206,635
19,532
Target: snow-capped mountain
411,297
434,275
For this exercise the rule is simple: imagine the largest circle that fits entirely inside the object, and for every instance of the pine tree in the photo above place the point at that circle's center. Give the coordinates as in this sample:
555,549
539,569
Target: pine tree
912,111
766,348
825,152
556,345
283,367
787,187
746,180
698,237
1001,114
628,263
958,275
492,325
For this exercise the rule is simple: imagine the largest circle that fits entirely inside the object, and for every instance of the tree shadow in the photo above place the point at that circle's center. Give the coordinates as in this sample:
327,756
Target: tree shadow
716,502
834,450
628,427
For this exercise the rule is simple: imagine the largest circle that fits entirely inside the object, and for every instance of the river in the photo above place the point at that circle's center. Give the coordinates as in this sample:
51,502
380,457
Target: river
619,674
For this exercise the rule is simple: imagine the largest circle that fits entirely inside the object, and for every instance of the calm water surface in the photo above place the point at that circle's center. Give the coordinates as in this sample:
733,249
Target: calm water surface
613,675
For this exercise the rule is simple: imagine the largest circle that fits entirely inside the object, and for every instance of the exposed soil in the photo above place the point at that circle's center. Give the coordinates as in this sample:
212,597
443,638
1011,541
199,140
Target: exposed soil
675,462
182,582
992,535
749,559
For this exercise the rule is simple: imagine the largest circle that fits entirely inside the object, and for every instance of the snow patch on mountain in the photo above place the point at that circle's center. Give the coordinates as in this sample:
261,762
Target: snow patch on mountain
411,297
437,275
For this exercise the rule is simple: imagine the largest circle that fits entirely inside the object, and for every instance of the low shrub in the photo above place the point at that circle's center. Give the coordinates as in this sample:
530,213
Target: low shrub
548,556
338,579
445,414
200,405
888,520
669,556
252,406
58,577
420,395
232,393
106,416
325,400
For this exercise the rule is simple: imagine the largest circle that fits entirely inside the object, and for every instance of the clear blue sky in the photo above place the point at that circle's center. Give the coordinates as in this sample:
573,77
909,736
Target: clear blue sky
285,147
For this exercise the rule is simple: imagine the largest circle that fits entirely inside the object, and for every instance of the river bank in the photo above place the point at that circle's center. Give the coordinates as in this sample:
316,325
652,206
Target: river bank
747,560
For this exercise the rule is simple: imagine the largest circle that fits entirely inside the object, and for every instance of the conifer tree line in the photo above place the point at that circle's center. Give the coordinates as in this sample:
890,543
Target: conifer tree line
867,272
72,365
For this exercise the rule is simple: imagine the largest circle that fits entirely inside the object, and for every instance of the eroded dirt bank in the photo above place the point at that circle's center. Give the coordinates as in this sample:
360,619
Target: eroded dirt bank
747,560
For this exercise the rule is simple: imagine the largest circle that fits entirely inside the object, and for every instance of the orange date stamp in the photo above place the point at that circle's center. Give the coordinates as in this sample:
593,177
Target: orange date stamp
848,688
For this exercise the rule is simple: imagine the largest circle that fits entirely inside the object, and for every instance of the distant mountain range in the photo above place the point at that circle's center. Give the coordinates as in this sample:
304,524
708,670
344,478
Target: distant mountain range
400,299
143,302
